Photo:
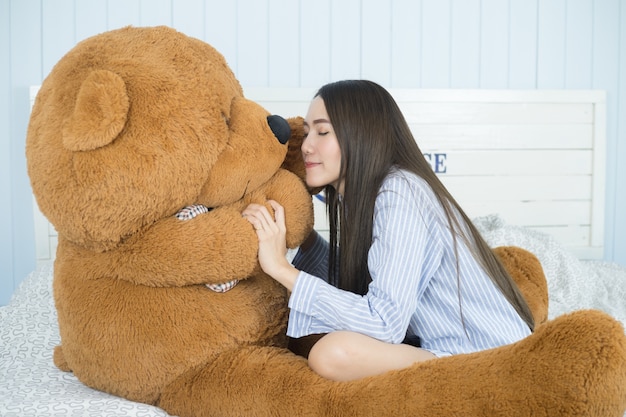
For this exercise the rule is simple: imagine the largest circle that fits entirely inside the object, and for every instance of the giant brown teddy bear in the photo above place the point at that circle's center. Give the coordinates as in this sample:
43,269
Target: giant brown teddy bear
142,152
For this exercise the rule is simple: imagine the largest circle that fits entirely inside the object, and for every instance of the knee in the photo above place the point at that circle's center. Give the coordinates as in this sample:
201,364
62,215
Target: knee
330,357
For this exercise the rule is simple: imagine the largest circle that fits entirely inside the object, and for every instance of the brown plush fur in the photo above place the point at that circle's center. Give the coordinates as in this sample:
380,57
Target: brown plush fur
134,124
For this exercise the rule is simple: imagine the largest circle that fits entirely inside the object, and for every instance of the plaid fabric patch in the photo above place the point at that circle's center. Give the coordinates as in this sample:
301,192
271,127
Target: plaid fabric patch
226,286
188,213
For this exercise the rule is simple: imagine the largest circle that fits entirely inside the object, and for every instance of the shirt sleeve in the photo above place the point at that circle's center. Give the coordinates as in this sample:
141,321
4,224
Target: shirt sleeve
401,259
314,260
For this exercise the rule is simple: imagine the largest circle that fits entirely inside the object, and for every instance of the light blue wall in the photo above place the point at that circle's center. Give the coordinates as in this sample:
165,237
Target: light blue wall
529,44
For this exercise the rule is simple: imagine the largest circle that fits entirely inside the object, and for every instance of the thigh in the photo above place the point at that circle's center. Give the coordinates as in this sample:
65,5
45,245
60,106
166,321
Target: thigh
365,348
348,355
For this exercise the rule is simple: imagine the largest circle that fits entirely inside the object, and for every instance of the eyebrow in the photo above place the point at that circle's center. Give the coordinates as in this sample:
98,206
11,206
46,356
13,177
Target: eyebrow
317,121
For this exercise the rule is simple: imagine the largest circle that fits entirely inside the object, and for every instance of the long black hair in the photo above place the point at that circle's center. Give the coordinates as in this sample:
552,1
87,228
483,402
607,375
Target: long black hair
374,137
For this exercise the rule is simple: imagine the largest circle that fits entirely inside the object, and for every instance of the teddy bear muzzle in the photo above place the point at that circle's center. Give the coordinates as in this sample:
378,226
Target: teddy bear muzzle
279,127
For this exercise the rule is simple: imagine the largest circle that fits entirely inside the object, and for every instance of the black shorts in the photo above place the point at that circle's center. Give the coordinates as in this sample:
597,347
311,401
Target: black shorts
412,340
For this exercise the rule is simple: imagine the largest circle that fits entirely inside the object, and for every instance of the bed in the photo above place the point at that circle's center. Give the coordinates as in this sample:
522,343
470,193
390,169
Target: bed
32,386
527,166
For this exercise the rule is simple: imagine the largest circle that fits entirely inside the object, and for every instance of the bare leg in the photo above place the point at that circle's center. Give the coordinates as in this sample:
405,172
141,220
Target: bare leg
345,356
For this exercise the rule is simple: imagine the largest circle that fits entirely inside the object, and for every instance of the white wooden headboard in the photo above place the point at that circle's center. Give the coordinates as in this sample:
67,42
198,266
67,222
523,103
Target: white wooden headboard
534,157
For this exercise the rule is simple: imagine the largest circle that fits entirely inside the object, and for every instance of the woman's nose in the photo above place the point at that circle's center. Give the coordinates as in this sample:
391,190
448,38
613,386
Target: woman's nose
306,147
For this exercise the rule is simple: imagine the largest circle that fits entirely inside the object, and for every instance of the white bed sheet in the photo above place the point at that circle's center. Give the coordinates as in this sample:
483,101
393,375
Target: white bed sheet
30,384
573,284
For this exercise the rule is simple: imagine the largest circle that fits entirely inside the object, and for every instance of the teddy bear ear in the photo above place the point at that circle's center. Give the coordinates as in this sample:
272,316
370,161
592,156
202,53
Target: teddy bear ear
100,112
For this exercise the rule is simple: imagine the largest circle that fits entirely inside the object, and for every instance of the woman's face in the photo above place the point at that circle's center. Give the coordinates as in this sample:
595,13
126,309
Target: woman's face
320,149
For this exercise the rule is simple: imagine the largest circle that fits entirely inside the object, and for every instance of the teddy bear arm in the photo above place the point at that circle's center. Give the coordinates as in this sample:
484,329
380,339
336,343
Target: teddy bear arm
289,191
213,248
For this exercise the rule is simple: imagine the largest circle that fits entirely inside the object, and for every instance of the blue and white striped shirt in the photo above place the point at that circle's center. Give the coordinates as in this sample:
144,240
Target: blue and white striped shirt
414,288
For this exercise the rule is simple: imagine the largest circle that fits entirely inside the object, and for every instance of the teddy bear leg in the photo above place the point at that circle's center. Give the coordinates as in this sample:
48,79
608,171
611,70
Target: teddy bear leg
527,272
59,359
251,381
574,365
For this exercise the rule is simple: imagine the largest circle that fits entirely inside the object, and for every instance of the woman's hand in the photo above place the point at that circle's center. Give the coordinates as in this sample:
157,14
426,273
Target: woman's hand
272,242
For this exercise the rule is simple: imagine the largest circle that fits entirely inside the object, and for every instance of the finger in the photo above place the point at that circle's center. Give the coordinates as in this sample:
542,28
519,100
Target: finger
266,218
279,213
254,222
261,218
275,205
253,218
250,209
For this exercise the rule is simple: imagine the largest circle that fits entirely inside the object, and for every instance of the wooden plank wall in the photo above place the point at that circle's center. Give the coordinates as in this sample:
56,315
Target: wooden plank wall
432,44
536,158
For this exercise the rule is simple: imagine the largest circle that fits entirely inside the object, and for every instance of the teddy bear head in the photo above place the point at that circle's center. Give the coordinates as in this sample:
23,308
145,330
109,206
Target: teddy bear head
133,124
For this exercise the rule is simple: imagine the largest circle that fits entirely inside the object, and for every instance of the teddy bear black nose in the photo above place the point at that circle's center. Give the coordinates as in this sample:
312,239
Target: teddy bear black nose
280,127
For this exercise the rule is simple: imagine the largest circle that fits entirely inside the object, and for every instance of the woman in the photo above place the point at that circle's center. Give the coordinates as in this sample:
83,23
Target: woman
408,263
